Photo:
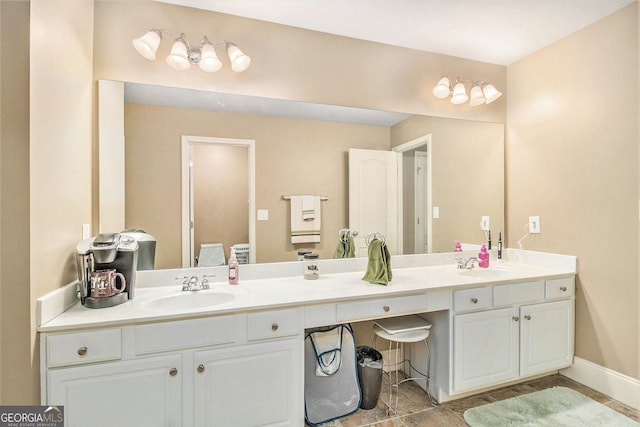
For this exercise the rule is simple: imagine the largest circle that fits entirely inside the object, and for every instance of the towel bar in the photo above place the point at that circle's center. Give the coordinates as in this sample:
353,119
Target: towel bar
323,198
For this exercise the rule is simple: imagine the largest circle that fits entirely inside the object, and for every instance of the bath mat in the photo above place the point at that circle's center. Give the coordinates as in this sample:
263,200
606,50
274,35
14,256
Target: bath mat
553,407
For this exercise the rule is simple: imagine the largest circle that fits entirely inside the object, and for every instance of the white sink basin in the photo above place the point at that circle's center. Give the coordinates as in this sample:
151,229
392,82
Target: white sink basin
486,273
189,300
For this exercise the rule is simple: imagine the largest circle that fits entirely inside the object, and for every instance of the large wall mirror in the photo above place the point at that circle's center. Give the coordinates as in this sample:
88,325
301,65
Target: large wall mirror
302,148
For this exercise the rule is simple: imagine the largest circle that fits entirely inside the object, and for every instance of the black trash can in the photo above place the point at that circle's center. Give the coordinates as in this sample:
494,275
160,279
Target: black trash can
369,375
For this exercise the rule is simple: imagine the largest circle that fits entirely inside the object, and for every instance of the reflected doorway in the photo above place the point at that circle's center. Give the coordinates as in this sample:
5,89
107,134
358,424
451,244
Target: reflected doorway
218,195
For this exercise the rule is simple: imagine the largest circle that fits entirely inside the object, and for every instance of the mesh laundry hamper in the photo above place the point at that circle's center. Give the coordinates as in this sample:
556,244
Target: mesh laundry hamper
331,388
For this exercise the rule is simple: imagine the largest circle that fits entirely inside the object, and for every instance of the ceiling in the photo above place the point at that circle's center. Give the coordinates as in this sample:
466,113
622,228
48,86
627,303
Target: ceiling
494,31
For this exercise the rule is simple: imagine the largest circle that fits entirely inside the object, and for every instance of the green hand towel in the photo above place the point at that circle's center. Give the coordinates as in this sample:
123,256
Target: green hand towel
345,249
340,250
379,264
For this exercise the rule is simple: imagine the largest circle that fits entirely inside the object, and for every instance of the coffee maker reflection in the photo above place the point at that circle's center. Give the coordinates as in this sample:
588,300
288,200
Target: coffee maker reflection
106,252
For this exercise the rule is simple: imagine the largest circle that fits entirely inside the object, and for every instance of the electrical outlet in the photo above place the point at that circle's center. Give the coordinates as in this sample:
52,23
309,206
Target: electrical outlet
534,224
484,223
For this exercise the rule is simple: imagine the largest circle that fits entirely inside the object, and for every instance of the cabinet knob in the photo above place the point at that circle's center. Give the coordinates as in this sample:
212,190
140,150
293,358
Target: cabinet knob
526,316
515,318
200,368
173,372
386,308
274,326
82,351
563,288
474,300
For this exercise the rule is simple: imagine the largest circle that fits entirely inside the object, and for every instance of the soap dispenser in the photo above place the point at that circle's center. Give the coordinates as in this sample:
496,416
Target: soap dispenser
233,268
483,257
458,246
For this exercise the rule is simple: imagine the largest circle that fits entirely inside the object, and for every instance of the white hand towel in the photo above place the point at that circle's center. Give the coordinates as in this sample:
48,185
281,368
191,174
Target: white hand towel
305,231
308,208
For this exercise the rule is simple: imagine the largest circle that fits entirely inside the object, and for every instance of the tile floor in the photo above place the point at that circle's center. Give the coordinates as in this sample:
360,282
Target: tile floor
414,408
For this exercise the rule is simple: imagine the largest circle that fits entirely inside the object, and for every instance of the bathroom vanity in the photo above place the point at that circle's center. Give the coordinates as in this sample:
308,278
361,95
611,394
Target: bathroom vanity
233,355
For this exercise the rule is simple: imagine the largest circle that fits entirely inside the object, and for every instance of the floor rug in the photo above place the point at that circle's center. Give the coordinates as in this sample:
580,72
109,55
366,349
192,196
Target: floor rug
553,407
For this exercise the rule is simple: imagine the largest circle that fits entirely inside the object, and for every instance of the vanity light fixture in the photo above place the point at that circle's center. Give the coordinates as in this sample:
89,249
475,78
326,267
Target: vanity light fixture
480,93
183,54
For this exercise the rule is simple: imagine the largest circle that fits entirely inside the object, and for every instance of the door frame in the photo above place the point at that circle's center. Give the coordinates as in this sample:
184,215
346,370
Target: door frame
188,142
424,140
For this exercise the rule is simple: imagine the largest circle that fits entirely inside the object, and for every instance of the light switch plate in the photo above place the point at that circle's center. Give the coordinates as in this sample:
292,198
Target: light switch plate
263,214
86,231
436,212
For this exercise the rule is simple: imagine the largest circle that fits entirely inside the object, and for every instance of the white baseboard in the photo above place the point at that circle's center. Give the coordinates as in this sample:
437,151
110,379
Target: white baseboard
620,387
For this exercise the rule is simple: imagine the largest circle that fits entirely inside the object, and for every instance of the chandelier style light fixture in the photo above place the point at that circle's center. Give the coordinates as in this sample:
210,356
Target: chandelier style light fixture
183,54
480,93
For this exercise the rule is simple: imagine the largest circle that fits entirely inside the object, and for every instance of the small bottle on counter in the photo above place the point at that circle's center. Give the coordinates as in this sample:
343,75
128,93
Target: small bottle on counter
234,268
311,271
301,255
483,257
458,246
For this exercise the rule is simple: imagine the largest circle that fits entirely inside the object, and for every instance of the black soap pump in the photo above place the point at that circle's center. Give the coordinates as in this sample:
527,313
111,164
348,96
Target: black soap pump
500,245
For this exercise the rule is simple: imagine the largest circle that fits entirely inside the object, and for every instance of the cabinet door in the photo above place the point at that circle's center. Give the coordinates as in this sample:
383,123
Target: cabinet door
137,393
252,385
546,336
485,348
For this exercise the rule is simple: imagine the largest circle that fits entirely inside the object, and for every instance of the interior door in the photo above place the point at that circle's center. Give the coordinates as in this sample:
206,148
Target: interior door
373,197
420,195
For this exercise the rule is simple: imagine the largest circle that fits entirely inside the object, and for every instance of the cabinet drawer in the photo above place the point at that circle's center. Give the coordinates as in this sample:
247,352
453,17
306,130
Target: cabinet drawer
381,307
272,324
560,288
518,293
472,299
182,334
84,347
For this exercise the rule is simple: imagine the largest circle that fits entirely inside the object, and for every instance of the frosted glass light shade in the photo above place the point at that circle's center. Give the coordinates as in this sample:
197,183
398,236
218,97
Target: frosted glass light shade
147,45
477,97
491,93
178,59
442,89
239,61
459,95
209,61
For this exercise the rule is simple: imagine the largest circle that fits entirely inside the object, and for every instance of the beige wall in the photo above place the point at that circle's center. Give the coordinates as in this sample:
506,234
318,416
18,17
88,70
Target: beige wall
15,326
572,158
287,62
467,176
293,156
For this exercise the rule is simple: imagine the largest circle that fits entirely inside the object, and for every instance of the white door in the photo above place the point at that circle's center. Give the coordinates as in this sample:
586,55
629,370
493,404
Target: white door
546,337
373,197
420,197
485,348
253,385
137,393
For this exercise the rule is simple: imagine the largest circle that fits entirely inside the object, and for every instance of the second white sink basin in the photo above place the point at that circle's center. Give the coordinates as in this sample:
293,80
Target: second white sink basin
487,273
189,300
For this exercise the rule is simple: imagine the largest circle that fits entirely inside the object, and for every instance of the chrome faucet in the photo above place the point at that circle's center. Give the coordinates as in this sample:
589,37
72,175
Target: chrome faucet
190,283
468,264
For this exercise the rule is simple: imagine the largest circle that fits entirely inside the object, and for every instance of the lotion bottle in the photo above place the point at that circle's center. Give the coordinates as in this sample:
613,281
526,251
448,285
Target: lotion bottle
458,246
483,257
234,269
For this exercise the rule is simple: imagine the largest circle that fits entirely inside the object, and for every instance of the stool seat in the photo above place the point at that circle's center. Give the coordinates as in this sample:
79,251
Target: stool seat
409,336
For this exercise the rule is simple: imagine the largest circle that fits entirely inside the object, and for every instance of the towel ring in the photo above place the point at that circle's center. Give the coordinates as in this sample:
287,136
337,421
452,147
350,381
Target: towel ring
375,235
345,233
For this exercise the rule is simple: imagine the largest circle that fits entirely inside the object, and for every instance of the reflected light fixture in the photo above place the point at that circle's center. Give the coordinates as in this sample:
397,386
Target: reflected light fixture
183,54
480,93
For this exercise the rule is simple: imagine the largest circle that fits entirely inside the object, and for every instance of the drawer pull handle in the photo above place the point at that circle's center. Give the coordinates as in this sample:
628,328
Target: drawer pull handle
563,288
386,308
200,368
474,300
526,316
82,351
274,327
515,318
173,372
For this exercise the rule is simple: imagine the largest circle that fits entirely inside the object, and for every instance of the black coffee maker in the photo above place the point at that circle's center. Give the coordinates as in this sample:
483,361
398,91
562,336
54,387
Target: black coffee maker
107,251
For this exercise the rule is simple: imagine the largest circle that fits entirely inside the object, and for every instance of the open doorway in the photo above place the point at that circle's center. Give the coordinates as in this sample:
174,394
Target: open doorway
218,195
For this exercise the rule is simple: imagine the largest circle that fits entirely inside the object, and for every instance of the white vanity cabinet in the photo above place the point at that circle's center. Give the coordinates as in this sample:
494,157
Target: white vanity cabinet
505,332
237,370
